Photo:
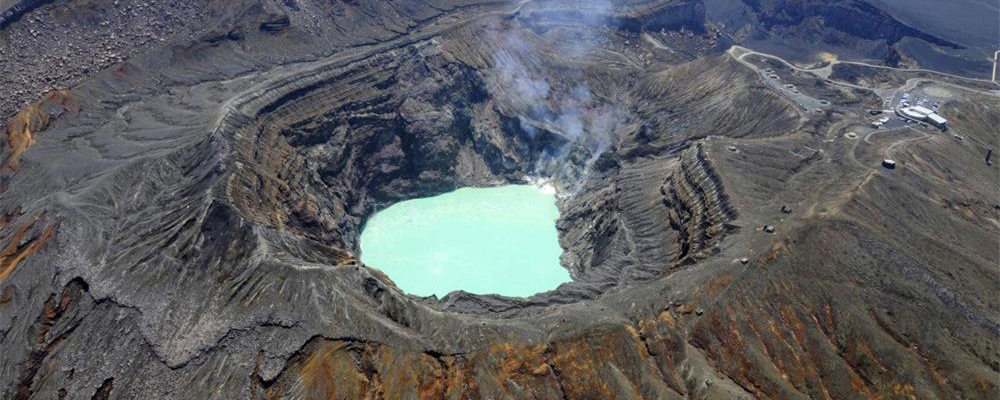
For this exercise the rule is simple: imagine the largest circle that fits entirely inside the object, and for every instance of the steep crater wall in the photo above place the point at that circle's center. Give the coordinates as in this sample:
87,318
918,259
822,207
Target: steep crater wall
319,151
334,147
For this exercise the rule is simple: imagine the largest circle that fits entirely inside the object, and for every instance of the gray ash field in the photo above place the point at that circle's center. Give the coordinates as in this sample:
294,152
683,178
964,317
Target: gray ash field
183,184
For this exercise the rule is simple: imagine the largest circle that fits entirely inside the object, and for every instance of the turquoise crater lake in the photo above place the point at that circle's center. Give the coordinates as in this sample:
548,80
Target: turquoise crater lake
499,240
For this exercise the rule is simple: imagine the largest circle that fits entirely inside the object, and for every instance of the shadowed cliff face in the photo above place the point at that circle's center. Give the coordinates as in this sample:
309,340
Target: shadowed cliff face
856,18
185,224
917,33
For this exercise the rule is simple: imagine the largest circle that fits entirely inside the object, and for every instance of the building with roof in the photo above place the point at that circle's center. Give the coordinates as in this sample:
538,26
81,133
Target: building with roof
937,120
923,114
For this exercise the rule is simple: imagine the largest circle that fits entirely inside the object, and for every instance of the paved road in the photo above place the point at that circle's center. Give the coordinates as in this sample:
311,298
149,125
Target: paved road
821,72
826,70
739,53
802,102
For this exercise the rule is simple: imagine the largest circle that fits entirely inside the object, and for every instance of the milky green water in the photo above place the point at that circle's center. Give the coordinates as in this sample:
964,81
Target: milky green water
498,240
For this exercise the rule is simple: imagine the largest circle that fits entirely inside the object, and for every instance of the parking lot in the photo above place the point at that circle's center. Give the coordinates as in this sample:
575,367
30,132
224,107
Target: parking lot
929,96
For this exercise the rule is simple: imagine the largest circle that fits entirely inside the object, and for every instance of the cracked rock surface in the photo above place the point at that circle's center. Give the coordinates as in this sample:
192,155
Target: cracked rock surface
181,218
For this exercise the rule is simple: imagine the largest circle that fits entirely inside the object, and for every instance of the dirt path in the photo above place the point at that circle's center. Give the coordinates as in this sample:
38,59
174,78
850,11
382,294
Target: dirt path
824,72
821,72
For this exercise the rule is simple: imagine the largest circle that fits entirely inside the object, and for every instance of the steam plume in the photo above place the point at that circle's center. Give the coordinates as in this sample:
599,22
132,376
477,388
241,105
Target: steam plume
551,94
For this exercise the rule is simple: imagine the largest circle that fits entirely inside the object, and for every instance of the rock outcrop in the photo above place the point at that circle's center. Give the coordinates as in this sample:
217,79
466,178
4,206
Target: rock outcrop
700,209
187,226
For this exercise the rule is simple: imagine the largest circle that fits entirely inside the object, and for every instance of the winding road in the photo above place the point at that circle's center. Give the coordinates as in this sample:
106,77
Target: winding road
826,70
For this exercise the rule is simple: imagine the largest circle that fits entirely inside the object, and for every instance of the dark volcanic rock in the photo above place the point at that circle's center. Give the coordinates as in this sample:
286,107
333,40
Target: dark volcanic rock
852,29
17,9
851,16
184,223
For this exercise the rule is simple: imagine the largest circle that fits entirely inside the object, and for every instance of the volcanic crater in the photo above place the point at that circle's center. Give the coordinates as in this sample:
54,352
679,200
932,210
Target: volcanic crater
195,211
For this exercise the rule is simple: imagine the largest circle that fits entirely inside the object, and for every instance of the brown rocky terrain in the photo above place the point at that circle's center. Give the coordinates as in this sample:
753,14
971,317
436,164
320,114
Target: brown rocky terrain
184,222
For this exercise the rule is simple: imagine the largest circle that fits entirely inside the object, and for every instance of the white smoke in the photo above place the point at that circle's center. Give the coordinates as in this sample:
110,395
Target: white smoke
548,94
